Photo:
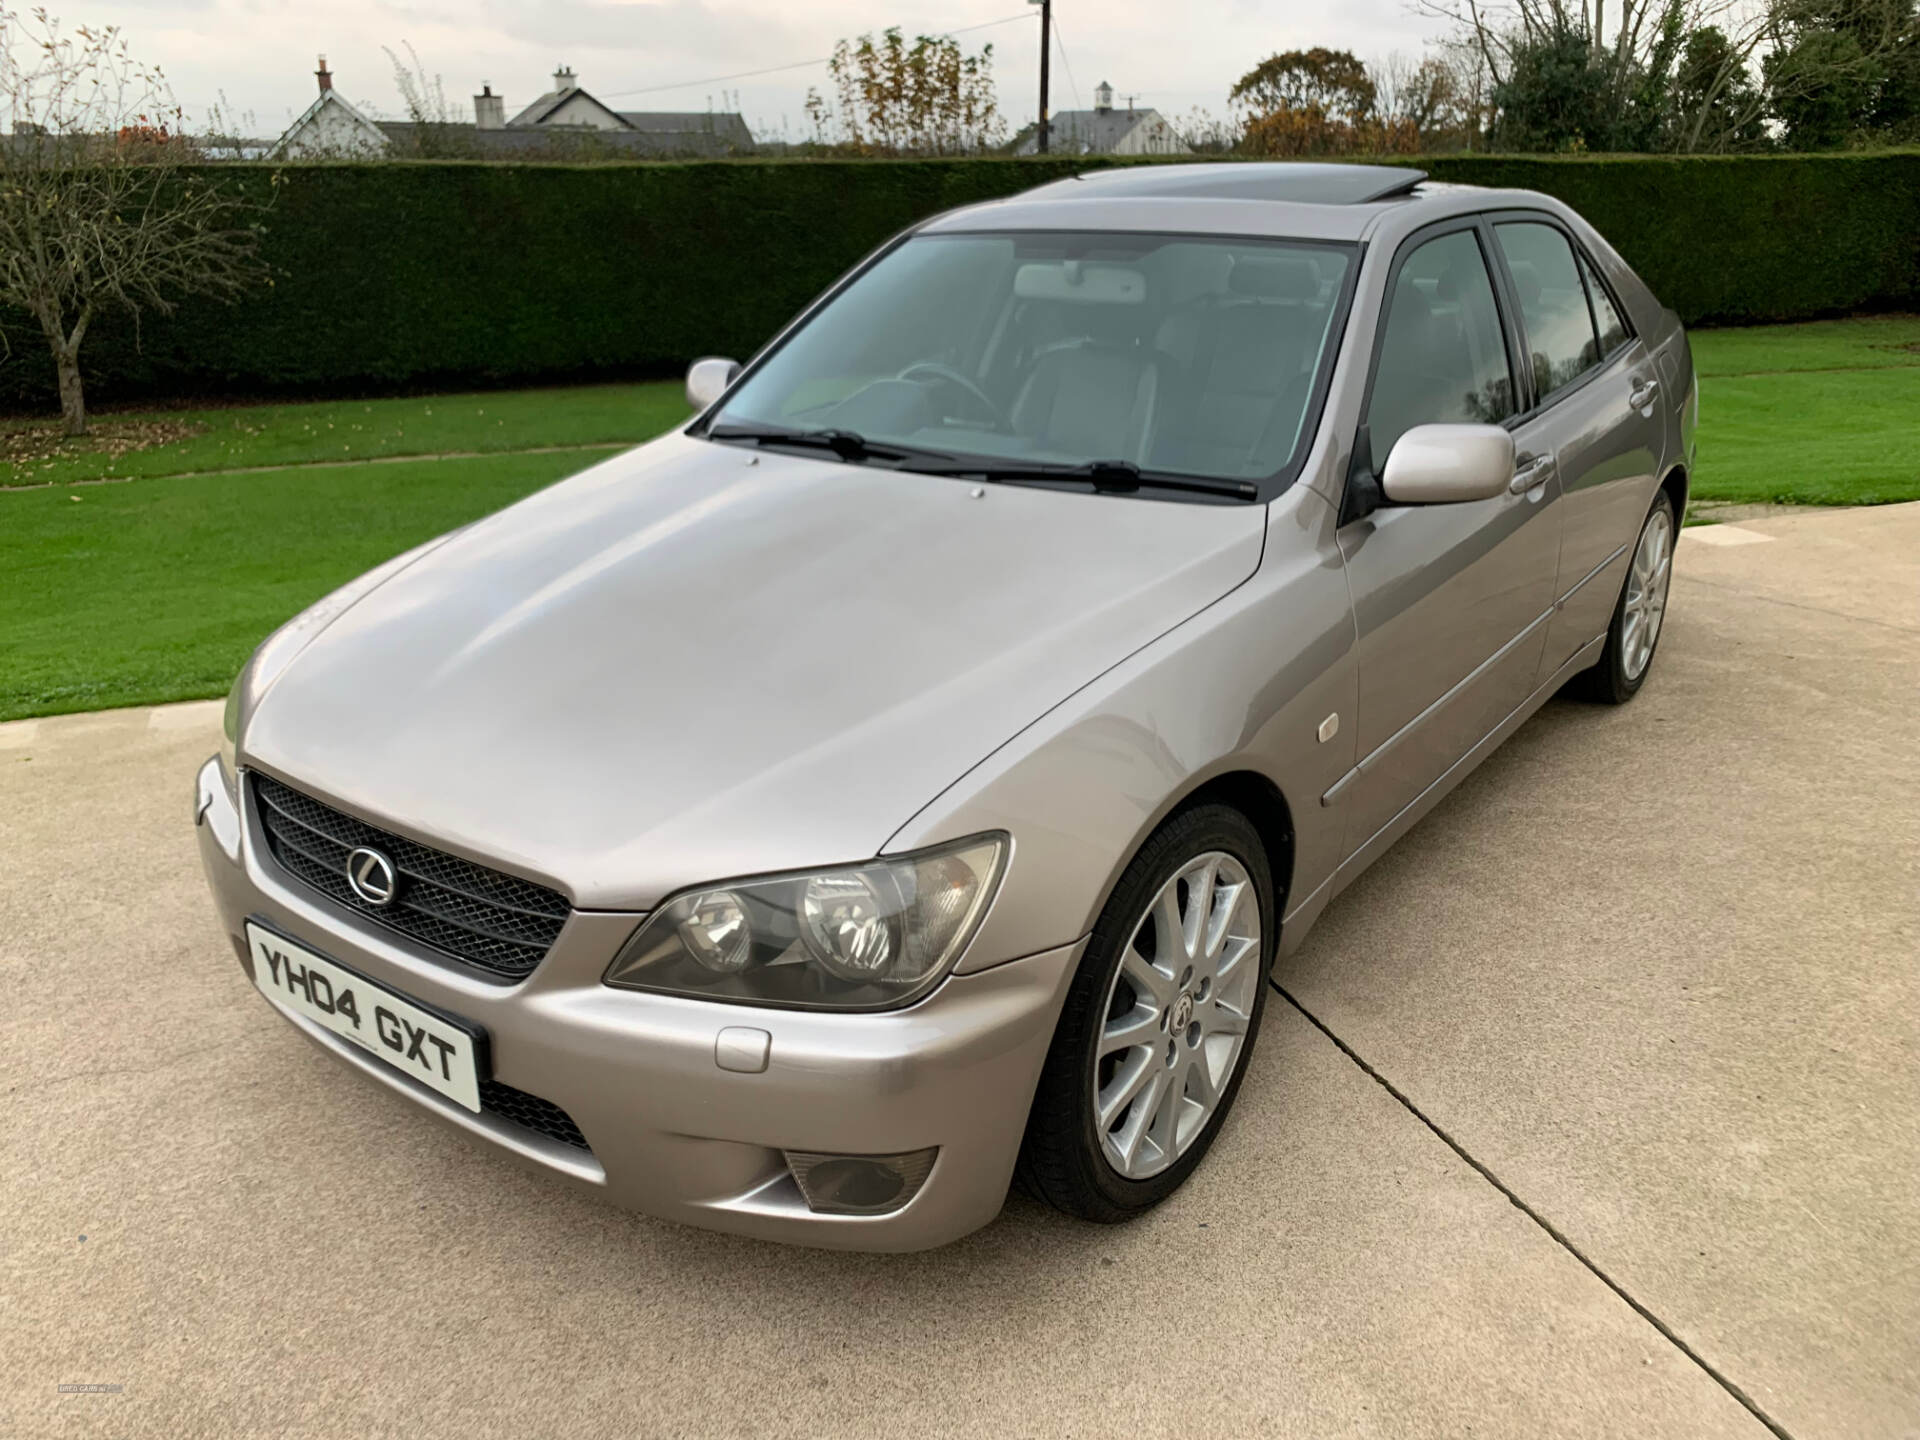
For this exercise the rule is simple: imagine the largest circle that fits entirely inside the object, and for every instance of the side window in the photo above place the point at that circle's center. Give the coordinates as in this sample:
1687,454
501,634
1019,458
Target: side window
1442,358
1613,330
1553,303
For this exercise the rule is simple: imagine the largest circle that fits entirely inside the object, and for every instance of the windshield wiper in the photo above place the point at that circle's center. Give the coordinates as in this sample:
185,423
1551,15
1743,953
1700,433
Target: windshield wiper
1115,477
847,444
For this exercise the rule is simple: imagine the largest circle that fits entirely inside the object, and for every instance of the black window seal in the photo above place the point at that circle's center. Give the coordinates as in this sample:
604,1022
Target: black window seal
1362,494
1590,273
1270,487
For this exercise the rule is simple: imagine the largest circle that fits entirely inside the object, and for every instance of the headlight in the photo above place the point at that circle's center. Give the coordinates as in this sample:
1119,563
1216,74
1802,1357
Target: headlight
862,937
229,741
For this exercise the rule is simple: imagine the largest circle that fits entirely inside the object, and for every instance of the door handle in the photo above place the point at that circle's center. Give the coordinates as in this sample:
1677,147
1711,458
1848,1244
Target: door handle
1643,393
1530,471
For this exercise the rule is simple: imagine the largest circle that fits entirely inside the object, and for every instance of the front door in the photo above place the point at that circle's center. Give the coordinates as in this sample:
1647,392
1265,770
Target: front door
1449,600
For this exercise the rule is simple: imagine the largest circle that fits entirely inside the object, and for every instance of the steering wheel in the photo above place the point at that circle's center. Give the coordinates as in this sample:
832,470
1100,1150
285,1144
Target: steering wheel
952,376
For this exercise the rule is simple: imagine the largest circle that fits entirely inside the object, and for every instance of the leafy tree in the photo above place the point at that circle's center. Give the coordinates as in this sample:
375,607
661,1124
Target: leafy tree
1845,70
1317,102
1555,97
1714,99
927,98
97,212
1333,82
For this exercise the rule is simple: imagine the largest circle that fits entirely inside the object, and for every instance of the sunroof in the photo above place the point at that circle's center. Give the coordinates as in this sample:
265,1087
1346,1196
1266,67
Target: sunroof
1304,184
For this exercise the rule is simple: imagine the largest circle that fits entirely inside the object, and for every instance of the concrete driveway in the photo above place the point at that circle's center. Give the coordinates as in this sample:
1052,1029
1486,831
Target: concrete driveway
1596,1113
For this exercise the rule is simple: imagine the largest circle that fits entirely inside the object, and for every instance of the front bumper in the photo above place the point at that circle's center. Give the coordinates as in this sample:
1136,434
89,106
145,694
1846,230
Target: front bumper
670,1132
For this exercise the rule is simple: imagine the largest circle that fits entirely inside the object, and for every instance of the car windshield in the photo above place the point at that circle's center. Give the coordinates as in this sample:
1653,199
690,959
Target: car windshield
1179,355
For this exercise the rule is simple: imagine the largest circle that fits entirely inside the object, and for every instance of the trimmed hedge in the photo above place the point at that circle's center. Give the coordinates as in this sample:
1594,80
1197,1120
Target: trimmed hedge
1741,239
430,274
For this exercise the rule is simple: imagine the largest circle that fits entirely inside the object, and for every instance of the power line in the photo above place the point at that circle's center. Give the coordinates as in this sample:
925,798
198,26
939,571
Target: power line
795,65
716,79
1072,84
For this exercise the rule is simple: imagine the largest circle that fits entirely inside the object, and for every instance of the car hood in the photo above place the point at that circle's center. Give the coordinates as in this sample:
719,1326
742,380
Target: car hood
694,661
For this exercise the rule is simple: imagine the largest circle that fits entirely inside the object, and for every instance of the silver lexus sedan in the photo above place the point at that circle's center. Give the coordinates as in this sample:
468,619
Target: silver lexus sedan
900,780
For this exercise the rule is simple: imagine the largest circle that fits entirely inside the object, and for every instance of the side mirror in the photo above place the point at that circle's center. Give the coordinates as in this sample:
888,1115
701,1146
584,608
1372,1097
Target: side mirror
1440,464
708,379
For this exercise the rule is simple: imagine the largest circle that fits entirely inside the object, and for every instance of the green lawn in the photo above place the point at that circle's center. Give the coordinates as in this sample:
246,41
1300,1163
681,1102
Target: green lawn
158,590
155,585
1826,413
1867,342
492,422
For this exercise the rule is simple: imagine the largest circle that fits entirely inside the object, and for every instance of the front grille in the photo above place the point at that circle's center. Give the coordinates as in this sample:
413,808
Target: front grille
532,1113
497,923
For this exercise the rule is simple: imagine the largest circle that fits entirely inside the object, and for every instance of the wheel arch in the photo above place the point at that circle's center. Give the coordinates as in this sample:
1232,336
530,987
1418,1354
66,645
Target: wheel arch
1256,796
1674,484
1265,804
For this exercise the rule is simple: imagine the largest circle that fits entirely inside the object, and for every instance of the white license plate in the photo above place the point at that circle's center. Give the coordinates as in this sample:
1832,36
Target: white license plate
414,1041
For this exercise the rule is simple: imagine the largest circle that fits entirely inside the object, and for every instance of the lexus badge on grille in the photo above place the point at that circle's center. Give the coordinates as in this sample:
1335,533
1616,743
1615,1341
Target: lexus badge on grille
372,876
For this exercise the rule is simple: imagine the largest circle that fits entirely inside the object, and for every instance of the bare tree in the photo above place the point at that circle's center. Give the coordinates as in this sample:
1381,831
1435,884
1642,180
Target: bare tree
1632,43
425,97
99,206
1204,133
925,98
1423,96
1473,85
224,131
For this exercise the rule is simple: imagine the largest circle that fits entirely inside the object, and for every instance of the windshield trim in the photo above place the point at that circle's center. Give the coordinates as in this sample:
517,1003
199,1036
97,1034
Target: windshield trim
1269,487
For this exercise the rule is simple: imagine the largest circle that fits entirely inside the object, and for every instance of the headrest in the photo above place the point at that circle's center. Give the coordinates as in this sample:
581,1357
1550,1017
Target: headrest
1275,277
1410,309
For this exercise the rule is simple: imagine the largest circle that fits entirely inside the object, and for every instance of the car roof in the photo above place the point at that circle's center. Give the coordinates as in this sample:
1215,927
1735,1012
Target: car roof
1303,184
1303,201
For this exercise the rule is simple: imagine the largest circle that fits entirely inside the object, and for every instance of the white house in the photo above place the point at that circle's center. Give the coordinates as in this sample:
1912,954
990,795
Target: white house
330,129
566,122
1104,130
567,104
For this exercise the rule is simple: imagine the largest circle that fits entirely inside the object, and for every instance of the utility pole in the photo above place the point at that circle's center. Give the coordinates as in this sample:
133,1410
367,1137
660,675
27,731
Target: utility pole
1046,48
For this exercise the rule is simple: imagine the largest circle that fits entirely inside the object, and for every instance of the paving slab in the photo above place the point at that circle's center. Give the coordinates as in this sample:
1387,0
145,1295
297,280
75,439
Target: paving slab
197,1206
1658,968
1862,562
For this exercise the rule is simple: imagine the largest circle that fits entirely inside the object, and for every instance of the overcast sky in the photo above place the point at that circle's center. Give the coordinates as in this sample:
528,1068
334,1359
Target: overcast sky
259,54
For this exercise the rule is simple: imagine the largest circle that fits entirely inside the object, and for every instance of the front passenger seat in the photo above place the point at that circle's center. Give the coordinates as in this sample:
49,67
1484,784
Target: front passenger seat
1092,401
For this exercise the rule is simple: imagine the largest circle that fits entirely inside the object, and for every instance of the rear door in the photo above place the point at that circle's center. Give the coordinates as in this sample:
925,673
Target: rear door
1595,419
1449,600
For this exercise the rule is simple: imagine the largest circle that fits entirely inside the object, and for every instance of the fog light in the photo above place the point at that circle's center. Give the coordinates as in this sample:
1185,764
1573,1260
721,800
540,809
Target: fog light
859,1184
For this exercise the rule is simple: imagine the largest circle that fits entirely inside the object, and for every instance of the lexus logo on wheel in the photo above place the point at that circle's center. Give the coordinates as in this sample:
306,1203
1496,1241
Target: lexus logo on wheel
372,876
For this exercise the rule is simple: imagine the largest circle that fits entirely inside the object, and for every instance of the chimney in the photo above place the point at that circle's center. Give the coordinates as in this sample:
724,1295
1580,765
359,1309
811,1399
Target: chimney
563,78
1102,98
489,110
324,76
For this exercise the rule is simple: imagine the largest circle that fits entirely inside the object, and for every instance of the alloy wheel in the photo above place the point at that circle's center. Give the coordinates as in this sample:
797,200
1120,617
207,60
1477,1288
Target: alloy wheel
1646,604
1177,1015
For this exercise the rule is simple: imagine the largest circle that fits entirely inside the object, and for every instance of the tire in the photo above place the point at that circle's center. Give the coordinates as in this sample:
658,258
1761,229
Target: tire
1066,1159
1627,660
